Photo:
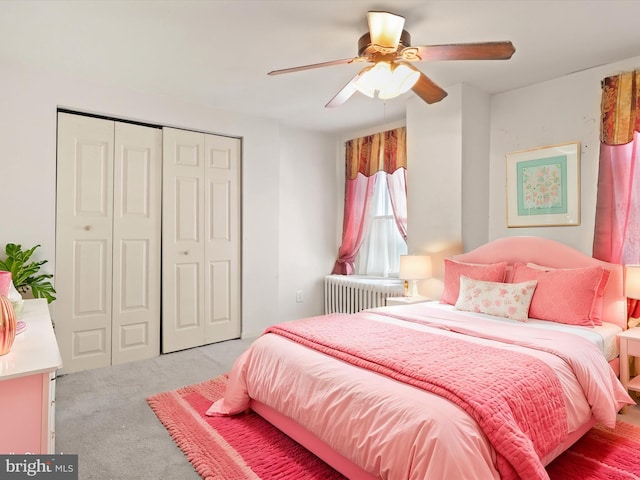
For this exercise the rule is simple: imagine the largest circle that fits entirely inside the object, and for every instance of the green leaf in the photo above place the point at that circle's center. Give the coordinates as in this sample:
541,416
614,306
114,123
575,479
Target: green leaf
43,290
25,275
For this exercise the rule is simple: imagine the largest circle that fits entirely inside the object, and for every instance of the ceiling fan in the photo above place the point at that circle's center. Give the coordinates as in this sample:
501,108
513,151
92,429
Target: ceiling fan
388,47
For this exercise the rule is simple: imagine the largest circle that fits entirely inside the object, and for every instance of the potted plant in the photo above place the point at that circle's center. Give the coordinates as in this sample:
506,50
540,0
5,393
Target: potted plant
25,274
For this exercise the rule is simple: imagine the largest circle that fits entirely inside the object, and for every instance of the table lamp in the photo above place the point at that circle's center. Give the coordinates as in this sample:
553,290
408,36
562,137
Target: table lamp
631,281
412,269
632,289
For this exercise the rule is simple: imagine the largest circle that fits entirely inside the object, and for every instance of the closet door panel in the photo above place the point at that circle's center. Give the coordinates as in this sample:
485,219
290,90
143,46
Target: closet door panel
91,292
136,240
182,240
82,311
222,243
187,304
134,277
92,182
187,211
91,300
220,281
220,207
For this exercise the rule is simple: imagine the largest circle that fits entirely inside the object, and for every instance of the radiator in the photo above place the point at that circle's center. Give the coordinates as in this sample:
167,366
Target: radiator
352,293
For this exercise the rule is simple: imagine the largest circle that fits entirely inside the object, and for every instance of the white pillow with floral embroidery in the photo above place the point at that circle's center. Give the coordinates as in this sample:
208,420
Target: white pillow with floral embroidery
509,300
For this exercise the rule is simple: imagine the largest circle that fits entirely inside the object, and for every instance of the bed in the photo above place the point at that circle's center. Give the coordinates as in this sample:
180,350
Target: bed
472,386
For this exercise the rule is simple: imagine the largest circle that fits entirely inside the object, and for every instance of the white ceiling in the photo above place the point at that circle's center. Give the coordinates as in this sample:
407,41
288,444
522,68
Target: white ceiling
218,53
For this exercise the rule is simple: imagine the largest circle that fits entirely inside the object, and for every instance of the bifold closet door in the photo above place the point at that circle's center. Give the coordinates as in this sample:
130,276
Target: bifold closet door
137,222
222,244
107,273
200,239
84,231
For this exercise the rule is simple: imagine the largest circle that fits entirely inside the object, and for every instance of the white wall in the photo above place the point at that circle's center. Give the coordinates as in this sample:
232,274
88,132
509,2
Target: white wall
28,103
475,167
447,177
307,220
563,110
434,165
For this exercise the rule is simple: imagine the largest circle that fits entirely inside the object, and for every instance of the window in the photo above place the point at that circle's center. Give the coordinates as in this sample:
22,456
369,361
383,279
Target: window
382,246
364,157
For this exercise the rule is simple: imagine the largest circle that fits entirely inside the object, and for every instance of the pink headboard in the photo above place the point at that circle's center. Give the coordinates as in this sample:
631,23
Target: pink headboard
557,255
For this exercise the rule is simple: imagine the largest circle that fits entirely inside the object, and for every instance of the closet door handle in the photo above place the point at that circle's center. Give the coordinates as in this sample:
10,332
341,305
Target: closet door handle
87,227
186,252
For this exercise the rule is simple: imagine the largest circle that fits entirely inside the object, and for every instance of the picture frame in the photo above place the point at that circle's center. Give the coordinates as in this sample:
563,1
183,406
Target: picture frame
543,186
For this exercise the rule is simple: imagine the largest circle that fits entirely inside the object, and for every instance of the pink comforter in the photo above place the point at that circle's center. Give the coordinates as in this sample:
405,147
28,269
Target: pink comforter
401,439
493,391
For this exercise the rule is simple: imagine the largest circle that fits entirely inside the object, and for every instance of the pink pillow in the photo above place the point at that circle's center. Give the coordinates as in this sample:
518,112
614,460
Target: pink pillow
564,295
598,302
453,270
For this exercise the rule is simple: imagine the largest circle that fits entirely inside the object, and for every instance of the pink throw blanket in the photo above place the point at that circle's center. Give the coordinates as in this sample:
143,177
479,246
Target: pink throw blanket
515,398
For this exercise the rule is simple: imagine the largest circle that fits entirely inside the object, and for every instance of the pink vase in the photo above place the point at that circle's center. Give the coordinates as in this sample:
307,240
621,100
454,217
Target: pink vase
7,325
5,283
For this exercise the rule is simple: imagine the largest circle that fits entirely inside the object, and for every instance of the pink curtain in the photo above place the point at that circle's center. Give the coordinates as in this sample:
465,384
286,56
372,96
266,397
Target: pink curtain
358,192
617,223
616,237
365,156
397,186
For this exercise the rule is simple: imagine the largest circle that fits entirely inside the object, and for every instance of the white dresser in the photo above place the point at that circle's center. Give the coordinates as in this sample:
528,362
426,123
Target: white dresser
27,385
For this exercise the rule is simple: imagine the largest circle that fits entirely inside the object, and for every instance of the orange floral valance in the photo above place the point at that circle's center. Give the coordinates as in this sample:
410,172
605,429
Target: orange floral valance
620,108
384,151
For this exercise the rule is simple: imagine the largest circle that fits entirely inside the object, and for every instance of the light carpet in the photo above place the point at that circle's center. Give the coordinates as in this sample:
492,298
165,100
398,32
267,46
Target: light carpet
247,447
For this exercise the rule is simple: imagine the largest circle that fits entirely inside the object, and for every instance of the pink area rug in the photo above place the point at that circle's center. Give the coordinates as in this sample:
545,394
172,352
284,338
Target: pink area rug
247,447
602,454
232,448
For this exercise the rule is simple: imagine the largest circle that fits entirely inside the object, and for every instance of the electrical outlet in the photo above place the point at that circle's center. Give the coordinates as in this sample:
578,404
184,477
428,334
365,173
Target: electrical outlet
299,296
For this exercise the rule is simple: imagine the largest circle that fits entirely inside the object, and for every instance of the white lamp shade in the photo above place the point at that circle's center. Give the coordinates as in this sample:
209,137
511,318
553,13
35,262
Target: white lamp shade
415,267
632,281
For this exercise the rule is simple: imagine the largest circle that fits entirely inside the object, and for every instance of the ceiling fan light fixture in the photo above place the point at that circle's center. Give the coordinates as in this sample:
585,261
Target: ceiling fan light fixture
374,78
384,80
403,77
385,29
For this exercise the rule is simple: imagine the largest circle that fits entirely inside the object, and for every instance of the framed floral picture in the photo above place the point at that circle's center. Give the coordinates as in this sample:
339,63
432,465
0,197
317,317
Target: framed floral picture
543,186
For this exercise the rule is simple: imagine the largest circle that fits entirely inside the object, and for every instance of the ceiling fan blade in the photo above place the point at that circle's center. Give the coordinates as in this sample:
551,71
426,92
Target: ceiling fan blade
427,90
345,94
385,29
315,65
461,51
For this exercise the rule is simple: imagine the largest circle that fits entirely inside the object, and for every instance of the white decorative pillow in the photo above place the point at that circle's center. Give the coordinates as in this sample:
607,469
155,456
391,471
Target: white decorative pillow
509,300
